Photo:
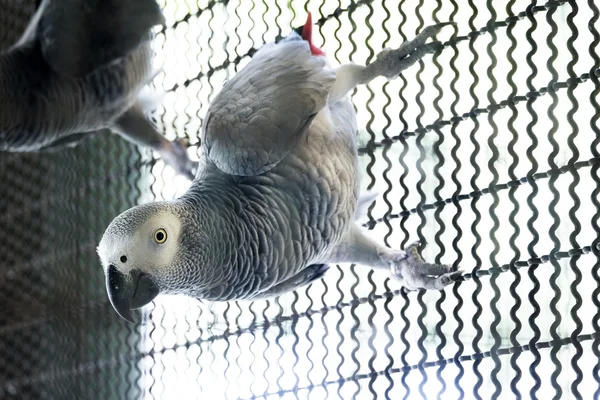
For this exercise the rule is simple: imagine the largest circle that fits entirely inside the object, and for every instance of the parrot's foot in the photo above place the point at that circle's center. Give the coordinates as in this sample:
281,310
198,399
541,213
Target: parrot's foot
414,273
175,154
390,63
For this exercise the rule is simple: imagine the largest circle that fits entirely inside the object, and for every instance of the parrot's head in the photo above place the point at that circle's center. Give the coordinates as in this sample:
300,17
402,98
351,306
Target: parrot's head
140,255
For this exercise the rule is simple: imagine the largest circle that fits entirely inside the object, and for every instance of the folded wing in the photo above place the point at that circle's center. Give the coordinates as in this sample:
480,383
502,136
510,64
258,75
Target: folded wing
261,114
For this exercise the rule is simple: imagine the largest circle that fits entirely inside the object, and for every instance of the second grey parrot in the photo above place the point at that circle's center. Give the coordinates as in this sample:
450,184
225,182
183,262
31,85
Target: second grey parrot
276,194
70,68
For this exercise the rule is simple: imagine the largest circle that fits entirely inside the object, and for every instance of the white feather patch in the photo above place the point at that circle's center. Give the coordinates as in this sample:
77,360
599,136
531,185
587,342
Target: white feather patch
149,98
364,201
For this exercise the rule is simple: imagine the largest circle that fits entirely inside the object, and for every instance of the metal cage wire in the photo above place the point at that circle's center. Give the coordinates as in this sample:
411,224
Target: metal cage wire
487,151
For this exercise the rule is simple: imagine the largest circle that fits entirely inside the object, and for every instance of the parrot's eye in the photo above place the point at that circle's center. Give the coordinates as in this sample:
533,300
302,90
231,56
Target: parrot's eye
160,236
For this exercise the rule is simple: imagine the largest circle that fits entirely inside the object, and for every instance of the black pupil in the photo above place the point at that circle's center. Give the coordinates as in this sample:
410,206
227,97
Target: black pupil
160,236
123,259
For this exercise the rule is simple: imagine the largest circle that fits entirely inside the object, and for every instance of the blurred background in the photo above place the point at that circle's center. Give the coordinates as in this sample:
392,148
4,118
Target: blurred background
487,151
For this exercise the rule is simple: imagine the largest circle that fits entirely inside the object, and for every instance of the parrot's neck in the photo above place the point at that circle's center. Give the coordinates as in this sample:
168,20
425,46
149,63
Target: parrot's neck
213,238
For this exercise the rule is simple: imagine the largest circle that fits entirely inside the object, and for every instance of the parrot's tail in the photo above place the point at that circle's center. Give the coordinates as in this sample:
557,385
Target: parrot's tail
307,35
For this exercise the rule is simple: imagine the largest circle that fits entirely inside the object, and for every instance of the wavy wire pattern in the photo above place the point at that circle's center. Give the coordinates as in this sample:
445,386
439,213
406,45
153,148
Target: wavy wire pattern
511,197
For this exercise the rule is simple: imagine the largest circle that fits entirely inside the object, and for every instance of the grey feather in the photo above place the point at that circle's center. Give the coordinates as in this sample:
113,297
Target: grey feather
77,37
78,68
303,278
239,233
261,114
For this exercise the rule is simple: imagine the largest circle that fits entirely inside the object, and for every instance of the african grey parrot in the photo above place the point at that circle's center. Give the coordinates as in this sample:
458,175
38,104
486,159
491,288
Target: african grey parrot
69,68
277,189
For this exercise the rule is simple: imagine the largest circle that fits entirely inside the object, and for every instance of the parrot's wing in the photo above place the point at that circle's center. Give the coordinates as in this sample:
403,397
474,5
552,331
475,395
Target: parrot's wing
78,36
262,112
308,275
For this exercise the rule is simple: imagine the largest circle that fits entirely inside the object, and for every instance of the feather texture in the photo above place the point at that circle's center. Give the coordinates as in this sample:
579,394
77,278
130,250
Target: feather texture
276,194
78,68
38,106
258,231
260,115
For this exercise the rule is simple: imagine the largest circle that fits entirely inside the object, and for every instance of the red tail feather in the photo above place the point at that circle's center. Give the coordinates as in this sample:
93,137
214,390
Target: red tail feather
307,35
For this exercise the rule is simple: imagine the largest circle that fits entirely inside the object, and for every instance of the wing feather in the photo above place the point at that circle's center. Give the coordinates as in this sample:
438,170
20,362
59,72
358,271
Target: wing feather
261,114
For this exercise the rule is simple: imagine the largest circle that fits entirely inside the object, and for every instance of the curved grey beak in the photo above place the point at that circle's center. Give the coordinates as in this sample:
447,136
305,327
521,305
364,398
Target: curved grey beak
128,292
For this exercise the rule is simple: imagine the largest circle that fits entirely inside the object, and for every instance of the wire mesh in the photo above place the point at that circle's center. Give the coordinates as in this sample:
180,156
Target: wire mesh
487,151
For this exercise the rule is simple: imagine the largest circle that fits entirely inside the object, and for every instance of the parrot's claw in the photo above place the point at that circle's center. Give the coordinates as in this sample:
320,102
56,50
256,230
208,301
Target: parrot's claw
390,63
175,154
414,273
